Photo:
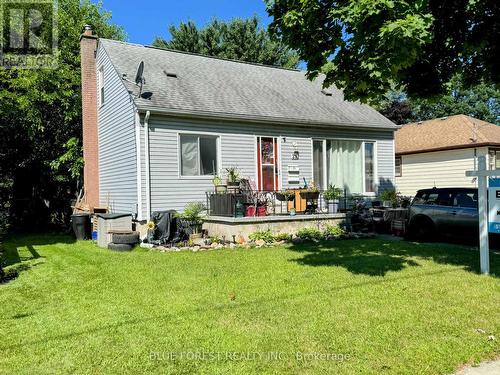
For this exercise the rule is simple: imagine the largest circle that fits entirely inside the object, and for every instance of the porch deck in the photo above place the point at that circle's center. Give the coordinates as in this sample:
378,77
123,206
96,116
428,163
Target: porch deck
227,227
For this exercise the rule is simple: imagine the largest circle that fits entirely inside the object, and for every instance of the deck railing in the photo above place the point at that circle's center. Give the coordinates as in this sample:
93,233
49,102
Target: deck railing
262,203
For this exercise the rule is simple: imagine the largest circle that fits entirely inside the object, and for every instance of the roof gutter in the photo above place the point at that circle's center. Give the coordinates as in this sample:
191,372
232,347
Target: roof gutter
222,116
448,148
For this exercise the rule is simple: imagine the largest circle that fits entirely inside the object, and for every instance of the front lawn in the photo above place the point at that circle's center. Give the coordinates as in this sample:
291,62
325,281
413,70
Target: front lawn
359,306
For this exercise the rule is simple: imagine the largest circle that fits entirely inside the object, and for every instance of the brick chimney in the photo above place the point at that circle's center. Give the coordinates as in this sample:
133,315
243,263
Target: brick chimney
88,48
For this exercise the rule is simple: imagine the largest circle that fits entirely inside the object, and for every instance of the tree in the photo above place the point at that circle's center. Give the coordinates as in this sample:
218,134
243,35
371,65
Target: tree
397,108
40,119
481,101
238,39
368,46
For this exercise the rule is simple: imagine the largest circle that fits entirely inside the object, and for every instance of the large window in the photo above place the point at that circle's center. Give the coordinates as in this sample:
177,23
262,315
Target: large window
318,164
350,165
369,167
198,155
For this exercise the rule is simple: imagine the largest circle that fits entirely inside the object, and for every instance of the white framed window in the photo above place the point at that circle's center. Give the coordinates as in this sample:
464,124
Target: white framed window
398,166
494,158
101,86
198,155
347,164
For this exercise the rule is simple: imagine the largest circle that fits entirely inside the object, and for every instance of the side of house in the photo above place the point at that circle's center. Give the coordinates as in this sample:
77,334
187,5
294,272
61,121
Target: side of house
118,188
438,152
436,169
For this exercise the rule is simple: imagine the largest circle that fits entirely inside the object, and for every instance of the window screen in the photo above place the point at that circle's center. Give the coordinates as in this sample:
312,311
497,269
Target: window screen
198,155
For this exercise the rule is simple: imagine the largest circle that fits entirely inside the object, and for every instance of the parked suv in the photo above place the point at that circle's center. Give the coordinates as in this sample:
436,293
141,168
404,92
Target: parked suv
444,211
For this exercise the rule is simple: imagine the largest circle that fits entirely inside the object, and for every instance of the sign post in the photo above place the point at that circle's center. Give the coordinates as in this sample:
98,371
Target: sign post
482,175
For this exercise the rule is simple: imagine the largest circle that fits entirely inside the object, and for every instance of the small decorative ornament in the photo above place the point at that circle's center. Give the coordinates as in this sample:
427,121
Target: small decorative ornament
151,226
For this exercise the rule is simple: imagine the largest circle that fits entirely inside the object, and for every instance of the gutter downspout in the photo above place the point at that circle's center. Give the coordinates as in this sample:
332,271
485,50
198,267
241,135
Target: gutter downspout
148,171
139,166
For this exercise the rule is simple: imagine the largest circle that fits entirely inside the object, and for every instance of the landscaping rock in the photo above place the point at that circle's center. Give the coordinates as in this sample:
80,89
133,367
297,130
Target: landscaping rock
260,243
297,240
196,248
232,246
146,245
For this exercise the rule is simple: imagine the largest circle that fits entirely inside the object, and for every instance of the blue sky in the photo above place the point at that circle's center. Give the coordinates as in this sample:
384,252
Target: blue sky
143,20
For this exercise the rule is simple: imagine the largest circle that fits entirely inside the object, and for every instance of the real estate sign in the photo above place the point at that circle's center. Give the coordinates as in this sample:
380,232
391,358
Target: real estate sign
494,206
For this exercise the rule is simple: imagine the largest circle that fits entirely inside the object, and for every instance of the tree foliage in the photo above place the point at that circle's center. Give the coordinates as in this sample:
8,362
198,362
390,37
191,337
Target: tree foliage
238,39
368,46
40,119
481,101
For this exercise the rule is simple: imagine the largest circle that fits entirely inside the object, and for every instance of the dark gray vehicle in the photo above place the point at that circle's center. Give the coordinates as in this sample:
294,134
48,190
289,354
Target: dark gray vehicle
451,212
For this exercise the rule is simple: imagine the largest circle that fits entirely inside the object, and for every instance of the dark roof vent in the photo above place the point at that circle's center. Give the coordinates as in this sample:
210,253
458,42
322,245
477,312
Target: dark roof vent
170,74
327,92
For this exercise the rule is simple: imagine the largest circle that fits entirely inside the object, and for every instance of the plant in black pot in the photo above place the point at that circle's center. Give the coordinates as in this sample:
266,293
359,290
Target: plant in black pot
193,214
285,196
233,177
332,196
311,196
311,192
390,198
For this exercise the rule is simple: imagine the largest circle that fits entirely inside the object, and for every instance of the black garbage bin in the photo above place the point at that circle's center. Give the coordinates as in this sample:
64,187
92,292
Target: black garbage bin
81,226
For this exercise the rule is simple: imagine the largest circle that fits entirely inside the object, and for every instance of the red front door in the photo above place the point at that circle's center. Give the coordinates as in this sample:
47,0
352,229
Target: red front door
267,163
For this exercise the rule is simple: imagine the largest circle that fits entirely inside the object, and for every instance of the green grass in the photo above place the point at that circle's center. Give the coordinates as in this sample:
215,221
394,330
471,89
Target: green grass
391,307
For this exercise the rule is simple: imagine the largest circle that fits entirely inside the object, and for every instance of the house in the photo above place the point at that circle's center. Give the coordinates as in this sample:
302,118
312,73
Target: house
156,145
438,152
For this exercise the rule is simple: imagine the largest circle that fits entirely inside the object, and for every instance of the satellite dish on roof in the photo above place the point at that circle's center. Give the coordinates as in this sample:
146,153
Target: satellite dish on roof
139,77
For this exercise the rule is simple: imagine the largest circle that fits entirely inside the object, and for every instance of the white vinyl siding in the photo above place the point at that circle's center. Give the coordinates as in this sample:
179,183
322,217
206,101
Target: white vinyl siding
440,169
237,147
117,142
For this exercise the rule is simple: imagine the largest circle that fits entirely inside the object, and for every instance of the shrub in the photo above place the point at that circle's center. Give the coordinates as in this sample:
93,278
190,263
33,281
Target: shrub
193,213
282,237
309,234
265,235
333,230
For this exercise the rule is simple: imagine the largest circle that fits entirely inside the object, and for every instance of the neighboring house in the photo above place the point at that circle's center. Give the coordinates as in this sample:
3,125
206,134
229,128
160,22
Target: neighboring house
196,116
436,153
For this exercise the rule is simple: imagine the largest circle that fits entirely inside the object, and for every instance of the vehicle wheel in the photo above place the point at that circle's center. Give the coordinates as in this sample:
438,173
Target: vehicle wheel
119,247
422,229
126,238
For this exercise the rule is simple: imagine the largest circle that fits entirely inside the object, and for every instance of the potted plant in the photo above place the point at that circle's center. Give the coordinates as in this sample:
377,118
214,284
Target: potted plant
311,192
193,214
332,195
390,198
219,187
262,202
285,196
233,177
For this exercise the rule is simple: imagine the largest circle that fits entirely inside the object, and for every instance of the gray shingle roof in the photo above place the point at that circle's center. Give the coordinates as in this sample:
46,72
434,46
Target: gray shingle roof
207,85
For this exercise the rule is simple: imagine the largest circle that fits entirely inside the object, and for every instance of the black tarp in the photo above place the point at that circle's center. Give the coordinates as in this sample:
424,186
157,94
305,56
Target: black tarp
169,229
